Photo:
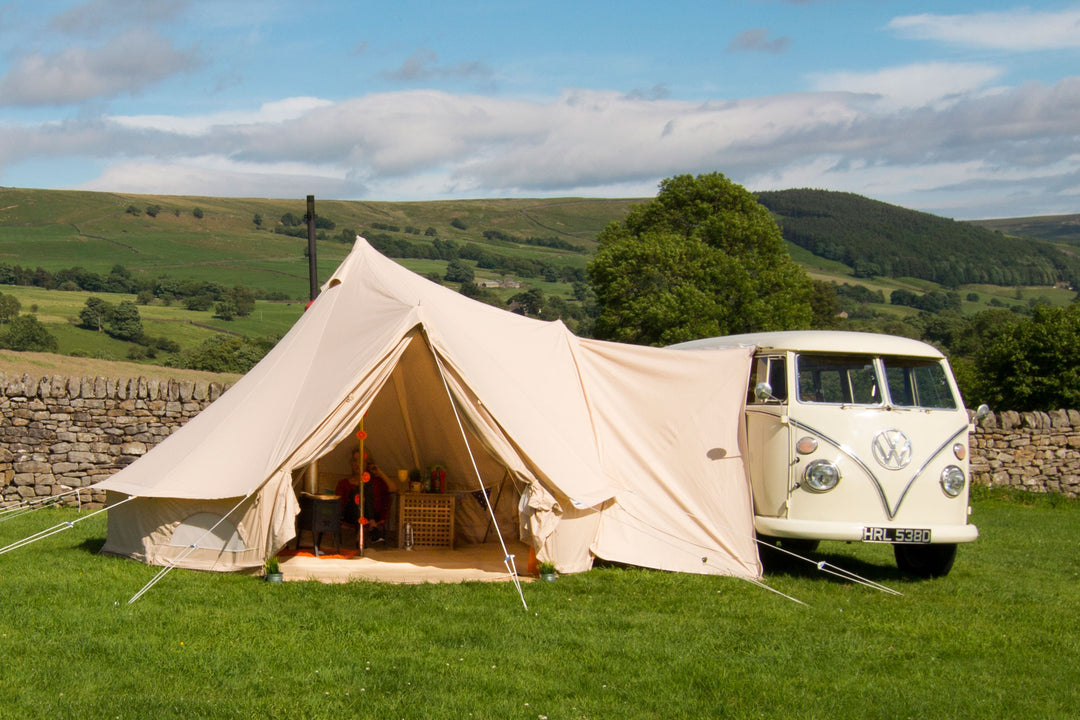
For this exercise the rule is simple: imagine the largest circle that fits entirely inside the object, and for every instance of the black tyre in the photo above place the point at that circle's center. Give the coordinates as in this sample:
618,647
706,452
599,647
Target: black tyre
798,546
773,555
925,561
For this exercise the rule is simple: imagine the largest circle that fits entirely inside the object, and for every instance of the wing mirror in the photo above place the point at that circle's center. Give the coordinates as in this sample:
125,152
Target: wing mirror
763,391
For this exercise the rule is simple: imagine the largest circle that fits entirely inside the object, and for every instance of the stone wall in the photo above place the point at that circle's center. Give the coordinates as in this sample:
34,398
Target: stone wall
1033,451
60,433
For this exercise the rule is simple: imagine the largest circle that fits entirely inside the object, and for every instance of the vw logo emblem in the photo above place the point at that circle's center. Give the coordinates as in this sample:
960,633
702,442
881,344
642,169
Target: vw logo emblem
892,449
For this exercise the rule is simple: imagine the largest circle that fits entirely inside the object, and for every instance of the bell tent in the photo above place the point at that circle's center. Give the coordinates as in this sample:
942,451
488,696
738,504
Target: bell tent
581,448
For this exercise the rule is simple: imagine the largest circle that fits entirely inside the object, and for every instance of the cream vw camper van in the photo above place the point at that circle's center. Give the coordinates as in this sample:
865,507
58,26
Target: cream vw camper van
856,437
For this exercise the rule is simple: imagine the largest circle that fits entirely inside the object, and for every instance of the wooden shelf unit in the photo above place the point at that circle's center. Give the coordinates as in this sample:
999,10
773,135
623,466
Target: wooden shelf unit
431,516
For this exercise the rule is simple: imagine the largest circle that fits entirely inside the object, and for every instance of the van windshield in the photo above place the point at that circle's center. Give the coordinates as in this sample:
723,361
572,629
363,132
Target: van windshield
837,379
918,383
853,380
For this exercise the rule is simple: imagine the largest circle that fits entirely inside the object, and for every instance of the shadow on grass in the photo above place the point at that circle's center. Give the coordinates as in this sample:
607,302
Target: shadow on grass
780,564
91,545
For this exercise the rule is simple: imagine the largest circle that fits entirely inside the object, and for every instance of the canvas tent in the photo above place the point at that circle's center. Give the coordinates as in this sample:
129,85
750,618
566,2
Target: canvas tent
593,449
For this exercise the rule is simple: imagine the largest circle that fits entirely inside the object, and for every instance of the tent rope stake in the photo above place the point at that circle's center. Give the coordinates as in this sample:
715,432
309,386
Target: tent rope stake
55,529
508,558
174,562
830,569
37,503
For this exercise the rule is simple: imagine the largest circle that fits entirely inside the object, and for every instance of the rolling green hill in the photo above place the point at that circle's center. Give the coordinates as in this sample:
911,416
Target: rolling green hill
877,239
543,244
261,244
1060,228
218,240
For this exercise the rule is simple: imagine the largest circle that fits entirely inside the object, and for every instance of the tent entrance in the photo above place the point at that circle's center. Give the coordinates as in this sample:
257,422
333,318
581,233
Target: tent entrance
410,431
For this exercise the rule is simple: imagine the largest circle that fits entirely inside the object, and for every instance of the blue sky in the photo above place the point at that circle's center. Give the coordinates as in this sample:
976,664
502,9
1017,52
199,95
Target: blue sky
963,109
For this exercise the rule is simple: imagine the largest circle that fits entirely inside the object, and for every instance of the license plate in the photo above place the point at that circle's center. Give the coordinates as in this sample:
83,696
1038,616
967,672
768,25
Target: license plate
907,536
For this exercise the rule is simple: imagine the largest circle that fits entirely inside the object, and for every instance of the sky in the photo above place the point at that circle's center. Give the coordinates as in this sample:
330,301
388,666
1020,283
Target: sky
964,109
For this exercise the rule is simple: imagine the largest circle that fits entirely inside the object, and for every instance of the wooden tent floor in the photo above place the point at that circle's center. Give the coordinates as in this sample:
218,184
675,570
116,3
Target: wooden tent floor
420,565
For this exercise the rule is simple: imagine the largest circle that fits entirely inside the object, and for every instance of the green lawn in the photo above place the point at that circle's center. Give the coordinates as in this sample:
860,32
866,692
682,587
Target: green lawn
994,639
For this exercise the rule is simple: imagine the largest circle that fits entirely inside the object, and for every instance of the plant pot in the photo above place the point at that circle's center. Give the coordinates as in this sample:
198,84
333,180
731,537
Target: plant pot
275,577
550,577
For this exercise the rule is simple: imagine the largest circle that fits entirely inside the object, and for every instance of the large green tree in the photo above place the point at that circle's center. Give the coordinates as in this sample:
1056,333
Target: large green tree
125,322
702,259
95,314
9,308
1032,363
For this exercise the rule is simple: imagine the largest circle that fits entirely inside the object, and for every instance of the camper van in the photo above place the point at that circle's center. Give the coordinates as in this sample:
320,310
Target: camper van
856,437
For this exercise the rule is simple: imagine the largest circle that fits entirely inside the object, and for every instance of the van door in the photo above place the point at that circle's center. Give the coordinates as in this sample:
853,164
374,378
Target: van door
768,436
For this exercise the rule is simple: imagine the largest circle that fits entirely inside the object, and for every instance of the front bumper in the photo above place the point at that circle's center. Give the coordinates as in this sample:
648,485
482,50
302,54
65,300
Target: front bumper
853,532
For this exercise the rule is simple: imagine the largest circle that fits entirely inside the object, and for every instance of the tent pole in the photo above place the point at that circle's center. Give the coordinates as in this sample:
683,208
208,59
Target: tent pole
361,435
491,518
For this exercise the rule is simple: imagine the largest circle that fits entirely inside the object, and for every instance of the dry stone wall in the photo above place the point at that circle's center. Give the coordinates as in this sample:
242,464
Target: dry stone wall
61,433
1033,451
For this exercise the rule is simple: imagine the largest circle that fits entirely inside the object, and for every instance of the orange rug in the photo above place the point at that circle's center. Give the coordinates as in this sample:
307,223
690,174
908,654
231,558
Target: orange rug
343,555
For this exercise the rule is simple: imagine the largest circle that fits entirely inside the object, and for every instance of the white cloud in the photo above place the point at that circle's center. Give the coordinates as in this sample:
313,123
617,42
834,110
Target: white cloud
1015,30
220,177
273,112
910,86
128,64
972,152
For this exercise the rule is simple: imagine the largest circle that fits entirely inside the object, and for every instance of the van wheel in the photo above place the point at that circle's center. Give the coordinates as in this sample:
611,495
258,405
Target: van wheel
799,546
925,561
771,557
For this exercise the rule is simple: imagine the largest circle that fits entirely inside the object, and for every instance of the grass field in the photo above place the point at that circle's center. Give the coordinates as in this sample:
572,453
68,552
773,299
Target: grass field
59,310
994,639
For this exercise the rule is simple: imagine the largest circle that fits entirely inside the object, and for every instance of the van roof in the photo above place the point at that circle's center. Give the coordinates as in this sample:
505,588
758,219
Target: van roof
821,341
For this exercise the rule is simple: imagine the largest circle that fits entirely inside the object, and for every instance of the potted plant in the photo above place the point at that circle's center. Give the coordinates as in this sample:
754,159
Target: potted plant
547,571
273,570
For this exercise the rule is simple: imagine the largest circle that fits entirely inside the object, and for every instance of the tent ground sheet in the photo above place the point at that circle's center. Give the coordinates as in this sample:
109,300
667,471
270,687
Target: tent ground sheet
480,562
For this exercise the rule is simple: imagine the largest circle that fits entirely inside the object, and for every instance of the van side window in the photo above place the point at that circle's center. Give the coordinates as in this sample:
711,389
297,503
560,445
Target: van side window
917,382
838,379
778,378
772,370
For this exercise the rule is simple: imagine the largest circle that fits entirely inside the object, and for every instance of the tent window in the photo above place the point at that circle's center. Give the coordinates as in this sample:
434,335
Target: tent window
193,530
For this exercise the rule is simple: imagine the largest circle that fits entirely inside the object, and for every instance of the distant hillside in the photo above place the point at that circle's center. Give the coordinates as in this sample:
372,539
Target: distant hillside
1059,228
877,239
261,243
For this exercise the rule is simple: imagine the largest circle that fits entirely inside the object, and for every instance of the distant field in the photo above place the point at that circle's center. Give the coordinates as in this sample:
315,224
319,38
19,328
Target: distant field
1063,228
59,311
218,240
57,230
41,365
61,229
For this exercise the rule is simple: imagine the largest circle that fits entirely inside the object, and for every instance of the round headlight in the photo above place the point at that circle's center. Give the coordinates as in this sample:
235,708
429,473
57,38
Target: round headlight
821,476
952,481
